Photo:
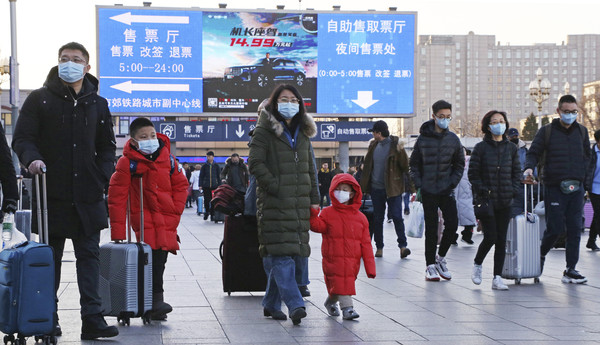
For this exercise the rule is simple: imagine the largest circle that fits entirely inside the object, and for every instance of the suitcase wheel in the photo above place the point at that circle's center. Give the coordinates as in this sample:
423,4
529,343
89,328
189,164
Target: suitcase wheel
536,280
146,319
518,281
9,339
125,321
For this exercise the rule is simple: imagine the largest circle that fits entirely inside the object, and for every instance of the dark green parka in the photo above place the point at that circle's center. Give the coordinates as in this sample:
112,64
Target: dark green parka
285,172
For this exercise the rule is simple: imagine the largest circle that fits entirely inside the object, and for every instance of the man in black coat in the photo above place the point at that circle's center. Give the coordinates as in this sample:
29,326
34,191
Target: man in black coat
436,167
209,180
324,178
65,128
235,173
566,149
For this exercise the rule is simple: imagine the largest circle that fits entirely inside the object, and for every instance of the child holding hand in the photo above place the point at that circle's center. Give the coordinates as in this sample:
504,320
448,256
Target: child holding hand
346,240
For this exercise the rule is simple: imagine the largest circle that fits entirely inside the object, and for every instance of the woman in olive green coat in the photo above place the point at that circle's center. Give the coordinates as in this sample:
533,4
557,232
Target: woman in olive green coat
282,161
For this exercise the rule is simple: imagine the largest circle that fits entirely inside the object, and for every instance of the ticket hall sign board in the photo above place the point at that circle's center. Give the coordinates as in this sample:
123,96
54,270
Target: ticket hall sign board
226,62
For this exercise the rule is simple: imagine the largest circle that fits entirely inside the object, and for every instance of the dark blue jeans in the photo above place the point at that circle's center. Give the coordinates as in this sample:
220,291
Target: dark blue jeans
394,204
447,204
563,210
406,197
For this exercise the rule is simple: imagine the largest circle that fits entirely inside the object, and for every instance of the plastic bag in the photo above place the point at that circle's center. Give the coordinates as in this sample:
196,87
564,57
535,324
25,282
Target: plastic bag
540,209
415,223
16,239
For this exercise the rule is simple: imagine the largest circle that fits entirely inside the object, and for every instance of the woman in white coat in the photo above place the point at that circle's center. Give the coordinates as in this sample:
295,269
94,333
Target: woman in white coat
464,203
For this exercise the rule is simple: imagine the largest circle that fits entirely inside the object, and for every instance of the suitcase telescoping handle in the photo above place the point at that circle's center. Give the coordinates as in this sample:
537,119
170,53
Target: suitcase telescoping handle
42,207
141,214
20,187
527,215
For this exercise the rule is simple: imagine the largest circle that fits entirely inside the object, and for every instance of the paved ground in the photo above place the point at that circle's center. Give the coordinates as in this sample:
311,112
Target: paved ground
398,307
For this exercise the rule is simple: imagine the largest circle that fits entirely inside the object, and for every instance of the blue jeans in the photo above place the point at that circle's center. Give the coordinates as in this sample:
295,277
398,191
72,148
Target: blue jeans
281,283
301,270
394,204
406,199
563,210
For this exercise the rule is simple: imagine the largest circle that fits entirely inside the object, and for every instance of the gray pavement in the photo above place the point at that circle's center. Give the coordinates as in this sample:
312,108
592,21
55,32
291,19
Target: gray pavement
397,307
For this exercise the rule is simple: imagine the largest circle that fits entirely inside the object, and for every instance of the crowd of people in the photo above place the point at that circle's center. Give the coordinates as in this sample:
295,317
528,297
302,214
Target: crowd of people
65,128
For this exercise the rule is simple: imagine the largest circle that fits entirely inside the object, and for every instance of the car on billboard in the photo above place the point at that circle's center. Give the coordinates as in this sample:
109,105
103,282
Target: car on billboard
262,72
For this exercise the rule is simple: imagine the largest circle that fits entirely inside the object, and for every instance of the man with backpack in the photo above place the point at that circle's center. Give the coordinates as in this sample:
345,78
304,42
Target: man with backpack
561,151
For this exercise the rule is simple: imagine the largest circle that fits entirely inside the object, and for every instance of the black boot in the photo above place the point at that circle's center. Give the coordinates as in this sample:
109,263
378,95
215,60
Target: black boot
467,236
94,327
160,308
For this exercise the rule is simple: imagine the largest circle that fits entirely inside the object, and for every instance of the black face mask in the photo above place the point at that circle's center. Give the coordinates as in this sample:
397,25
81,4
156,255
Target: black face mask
515,140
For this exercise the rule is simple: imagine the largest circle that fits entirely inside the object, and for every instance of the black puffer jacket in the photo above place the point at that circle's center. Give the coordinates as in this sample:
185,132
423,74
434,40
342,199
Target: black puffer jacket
567,153
494,167
437,161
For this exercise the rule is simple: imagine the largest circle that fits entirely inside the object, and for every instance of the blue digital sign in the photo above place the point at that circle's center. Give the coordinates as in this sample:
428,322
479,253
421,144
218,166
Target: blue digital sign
150,61
366,63
223,62
238,130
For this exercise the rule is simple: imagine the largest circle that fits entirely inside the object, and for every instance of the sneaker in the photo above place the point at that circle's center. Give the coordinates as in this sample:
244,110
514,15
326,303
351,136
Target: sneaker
407,212
379,253
570,275
440,266
431,274
348,313
592,245
332,308
404,252
476,274
498,284
304,291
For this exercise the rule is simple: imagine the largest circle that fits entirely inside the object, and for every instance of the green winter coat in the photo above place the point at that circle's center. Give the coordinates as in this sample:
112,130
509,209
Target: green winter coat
287,185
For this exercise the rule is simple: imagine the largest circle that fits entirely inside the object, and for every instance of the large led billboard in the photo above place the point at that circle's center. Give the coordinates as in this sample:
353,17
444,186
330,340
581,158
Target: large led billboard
225,62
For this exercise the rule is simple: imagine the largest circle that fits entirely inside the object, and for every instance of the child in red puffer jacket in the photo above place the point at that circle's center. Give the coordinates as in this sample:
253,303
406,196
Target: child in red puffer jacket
346,240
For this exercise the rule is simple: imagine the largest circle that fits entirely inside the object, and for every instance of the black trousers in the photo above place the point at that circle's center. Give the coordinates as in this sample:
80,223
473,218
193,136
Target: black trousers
159,259
207,198
87,262
494,234
447,204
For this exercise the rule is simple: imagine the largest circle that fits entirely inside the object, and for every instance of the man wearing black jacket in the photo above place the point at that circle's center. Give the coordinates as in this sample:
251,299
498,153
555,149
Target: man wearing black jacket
66,128
436,167
210,178
567,154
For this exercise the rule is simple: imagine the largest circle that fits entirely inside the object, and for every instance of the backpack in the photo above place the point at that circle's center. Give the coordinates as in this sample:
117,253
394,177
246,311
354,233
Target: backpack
227,200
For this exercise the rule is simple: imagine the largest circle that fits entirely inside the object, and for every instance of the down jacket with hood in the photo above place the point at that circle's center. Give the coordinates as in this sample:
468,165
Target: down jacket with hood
73,135
437,161
346,239
165,193
284,167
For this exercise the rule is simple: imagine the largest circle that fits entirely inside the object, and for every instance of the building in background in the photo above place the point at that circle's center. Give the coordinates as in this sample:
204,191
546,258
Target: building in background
477,74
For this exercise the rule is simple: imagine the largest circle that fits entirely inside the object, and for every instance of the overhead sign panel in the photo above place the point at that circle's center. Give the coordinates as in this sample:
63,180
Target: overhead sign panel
150,61
225,62
238,130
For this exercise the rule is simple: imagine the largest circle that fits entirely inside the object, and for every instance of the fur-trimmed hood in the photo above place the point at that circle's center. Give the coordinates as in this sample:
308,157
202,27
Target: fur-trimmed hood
267,120
228,161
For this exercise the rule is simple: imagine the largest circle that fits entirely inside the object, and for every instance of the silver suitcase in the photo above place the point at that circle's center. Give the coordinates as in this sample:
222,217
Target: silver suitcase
126,275
522,258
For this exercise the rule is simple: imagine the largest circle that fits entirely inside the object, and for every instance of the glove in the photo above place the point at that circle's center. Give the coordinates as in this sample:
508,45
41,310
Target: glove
372,276
9,206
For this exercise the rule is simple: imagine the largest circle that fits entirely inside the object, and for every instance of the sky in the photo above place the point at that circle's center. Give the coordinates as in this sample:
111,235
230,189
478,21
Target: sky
43,26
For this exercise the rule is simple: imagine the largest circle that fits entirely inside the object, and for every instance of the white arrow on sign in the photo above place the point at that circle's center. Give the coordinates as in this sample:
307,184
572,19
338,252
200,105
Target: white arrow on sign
239,132
128,18
365,99
129,87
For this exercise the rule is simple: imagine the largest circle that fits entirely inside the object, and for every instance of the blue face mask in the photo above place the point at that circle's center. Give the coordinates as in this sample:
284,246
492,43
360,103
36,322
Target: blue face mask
70,71
288,110
443,123
568,118
149,146
498,128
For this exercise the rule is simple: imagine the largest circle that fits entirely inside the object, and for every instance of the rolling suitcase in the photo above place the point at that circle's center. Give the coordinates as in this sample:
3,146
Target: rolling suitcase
200,205
23,216
522,258
27,296
126,274
242,266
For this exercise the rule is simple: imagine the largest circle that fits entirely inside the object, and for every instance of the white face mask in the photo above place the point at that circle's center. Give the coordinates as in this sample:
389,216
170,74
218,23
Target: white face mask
149,146
341,195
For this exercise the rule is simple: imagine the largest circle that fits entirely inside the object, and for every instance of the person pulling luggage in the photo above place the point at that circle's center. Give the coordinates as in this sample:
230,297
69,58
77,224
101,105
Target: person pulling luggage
147,153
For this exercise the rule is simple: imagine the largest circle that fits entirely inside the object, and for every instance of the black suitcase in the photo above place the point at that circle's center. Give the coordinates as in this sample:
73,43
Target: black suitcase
242,265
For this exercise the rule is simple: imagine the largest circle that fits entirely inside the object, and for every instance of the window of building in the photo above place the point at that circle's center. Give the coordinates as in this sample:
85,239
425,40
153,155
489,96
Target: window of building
490,54
499,54
555,54
499,63
447,87
574,63
574,54
518,54
447,79
448,70
526,72
536,55
564,54
423,51
545,54
447,53
422,87
507,63
447,62
518,88
518,72
518,63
